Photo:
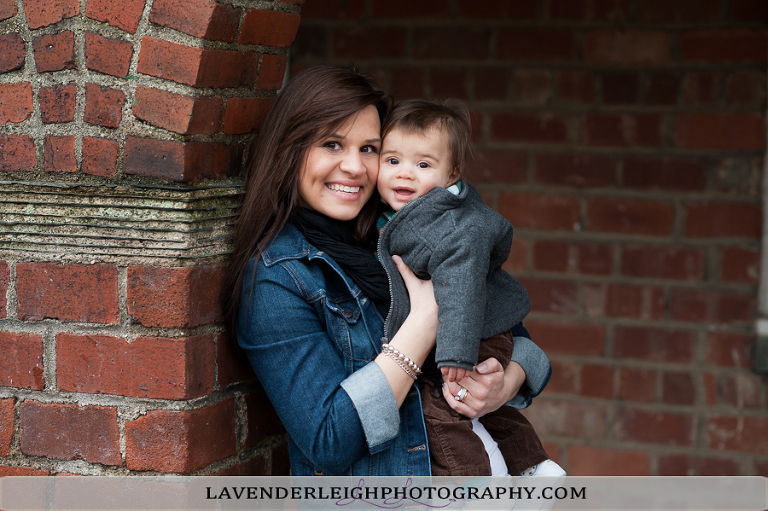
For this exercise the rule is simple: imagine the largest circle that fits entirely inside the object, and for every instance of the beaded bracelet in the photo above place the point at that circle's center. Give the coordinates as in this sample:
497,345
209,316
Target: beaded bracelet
394,351
401,364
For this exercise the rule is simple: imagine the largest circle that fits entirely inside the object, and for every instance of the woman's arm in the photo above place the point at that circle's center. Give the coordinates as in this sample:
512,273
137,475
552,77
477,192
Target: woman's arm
304,377
490,386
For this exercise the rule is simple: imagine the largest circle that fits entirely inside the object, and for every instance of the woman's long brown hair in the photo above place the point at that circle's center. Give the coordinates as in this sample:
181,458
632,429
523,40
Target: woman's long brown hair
313,104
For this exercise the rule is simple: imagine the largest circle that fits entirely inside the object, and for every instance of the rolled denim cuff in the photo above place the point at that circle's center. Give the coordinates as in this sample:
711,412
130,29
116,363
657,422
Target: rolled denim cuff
376,406
537,370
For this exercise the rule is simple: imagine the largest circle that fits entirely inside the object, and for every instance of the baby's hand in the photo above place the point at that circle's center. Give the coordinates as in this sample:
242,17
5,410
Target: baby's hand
452,373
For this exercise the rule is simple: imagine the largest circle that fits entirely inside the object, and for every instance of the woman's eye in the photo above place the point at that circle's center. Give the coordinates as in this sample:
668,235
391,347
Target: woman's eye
369,149
332,145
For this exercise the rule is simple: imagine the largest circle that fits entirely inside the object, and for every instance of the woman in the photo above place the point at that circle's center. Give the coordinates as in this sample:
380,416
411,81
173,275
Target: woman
309,314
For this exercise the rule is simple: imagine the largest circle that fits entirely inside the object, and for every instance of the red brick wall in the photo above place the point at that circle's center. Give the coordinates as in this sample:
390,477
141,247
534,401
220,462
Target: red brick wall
110,362
624,140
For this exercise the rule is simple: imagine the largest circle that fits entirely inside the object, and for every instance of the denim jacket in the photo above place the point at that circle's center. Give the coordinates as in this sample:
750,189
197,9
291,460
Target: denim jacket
311,337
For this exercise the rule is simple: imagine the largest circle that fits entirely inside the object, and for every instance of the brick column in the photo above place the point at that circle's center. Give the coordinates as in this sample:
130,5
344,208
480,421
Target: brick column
124,125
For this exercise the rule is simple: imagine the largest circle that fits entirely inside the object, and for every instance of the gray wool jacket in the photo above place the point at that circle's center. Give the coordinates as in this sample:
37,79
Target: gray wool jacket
461,244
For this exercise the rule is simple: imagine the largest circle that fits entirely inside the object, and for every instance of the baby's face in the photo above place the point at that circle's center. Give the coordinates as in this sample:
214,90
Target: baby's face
412,164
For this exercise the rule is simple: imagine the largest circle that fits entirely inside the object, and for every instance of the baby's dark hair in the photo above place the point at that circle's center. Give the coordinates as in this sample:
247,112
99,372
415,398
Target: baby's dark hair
450,116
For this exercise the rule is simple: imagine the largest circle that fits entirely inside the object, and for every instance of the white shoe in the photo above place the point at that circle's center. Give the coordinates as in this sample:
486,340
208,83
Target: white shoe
546,468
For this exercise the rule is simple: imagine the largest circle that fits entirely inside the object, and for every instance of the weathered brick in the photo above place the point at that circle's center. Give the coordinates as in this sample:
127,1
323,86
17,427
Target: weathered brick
433,9
270,28
109,56
742,434
256,466
567,419
739,175
153,367
17,153
174,297
201,18
637,384
333,9
498,166
724,45
532,87
572,258
552,256
180,161
448,83
7,9
623,130
597,381
729,349
654,344
678,388
54,52
574,169
103,106
12,55
99,156
550,295
246,115
262,419
563,378
620,87
196,66
682,10
711,306
740,264
22,471
22,363
741,390
490,84
16,104
271,72
368,43
525,127
124,14
723,219
57,103
70,432
571,10
59,153
453,42
176,112
6,425
656,427
45,290
540,211
231,362
645,302
5,279
576,87
663,262
663,89
690,465
472,9
181,442
627,47
630,216
651,172
743,10
41,13
720,130
746,88
535,44
600,461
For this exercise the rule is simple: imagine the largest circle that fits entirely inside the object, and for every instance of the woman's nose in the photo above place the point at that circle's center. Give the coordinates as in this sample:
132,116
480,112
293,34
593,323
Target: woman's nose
352,163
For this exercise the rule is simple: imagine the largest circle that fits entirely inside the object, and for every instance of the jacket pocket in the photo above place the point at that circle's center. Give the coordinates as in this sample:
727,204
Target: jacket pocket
344,324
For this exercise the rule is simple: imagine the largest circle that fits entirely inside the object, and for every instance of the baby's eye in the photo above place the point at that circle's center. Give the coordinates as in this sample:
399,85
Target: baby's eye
423,165
392,161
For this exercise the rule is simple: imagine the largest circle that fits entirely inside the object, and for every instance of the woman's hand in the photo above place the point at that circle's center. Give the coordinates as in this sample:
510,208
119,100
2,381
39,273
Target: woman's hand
423,304
489,386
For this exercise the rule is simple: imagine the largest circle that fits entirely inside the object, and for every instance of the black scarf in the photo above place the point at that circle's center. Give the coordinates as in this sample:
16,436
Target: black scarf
335,238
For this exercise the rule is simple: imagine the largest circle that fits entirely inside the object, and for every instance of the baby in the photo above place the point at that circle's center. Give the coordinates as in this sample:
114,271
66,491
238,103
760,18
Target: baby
439,226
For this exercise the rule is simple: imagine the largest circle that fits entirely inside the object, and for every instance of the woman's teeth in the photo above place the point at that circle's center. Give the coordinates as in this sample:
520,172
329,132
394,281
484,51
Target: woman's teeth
342,188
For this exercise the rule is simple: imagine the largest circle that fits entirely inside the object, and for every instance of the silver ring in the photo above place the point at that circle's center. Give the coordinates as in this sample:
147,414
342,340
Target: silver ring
462,395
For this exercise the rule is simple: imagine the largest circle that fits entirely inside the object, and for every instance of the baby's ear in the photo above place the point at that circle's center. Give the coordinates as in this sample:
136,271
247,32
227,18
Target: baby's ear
453,177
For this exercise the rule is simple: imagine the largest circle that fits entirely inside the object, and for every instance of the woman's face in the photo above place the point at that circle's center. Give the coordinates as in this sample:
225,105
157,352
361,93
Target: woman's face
339,173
